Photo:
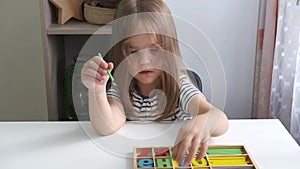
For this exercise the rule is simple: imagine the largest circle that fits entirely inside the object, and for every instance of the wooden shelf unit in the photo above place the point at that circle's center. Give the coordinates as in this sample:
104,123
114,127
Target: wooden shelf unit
53,38
74,27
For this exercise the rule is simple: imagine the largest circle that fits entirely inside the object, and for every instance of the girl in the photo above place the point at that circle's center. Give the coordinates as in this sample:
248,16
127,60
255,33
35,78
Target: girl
150,83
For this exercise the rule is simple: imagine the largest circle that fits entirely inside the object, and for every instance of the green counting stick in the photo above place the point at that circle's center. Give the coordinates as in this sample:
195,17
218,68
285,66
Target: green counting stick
108,71
224,151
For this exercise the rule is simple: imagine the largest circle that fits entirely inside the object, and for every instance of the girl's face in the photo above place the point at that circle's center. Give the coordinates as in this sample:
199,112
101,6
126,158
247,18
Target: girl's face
143,56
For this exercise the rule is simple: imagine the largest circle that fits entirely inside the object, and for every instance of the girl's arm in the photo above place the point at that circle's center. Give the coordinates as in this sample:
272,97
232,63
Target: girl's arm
217,120
106,114
208,121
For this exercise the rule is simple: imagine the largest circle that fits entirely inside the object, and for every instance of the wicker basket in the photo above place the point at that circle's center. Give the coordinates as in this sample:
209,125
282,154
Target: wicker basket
97,15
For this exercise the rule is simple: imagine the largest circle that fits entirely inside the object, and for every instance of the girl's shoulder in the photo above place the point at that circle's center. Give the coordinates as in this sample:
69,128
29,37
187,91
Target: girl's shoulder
187,87
185,80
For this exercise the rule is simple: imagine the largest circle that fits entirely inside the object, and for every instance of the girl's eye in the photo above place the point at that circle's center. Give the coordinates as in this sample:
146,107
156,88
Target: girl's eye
133,52
154,50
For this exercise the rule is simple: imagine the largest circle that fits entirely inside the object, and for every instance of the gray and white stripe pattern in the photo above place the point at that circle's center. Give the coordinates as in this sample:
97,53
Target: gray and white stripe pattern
147,107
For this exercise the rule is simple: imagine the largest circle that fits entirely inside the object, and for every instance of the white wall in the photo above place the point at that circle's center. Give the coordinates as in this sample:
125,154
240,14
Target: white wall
219,42
22,82
229,26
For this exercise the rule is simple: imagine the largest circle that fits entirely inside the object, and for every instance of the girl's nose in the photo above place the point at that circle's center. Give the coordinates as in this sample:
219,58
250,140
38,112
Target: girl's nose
145,58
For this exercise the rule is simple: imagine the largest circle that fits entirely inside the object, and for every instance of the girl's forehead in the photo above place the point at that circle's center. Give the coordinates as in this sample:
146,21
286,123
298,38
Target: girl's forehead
142,40
143,26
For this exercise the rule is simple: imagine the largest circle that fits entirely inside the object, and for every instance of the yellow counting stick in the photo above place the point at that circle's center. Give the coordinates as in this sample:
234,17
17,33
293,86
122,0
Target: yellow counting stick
227,161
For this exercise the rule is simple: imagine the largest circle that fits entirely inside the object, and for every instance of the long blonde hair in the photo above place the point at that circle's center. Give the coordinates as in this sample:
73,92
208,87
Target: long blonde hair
154,17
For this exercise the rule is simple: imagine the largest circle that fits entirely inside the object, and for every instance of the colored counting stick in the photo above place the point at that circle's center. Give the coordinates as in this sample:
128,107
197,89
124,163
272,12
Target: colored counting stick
144,152
145,163
164,152
108,71
227,161
219,151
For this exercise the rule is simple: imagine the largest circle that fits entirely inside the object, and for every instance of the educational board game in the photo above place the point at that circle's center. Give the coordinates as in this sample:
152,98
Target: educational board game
217,157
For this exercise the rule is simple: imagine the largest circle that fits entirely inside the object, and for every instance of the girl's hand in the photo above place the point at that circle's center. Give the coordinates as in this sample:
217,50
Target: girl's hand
191,137
94,73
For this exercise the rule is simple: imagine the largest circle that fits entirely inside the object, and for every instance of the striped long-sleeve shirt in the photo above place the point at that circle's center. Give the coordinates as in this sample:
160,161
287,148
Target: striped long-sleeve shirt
146,106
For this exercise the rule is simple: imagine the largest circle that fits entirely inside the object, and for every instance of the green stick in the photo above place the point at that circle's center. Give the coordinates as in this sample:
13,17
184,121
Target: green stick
108,71
224,151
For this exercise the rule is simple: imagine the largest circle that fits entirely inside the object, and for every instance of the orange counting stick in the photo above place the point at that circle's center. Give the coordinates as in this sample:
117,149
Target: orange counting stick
144,152
164,152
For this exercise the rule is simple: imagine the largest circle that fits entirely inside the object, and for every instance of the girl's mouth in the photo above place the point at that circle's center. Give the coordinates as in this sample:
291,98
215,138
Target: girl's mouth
145,72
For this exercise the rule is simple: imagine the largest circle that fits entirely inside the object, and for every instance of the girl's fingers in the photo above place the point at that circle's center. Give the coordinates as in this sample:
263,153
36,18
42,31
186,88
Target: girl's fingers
93,63
90,72
89,76
97,63
182,149
102,72
177,143
202,150
103,64
92,77
94,72
192,151
174,151
110,66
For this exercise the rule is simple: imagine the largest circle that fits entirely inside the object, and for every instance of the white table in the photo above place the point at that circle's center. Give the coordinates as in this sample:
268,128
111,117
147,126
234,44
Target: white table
75,145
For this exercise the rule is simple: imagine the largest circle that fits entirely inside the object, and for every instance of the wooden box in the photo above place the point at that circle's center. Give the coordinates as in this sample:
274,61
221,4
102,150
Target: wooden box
216,157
